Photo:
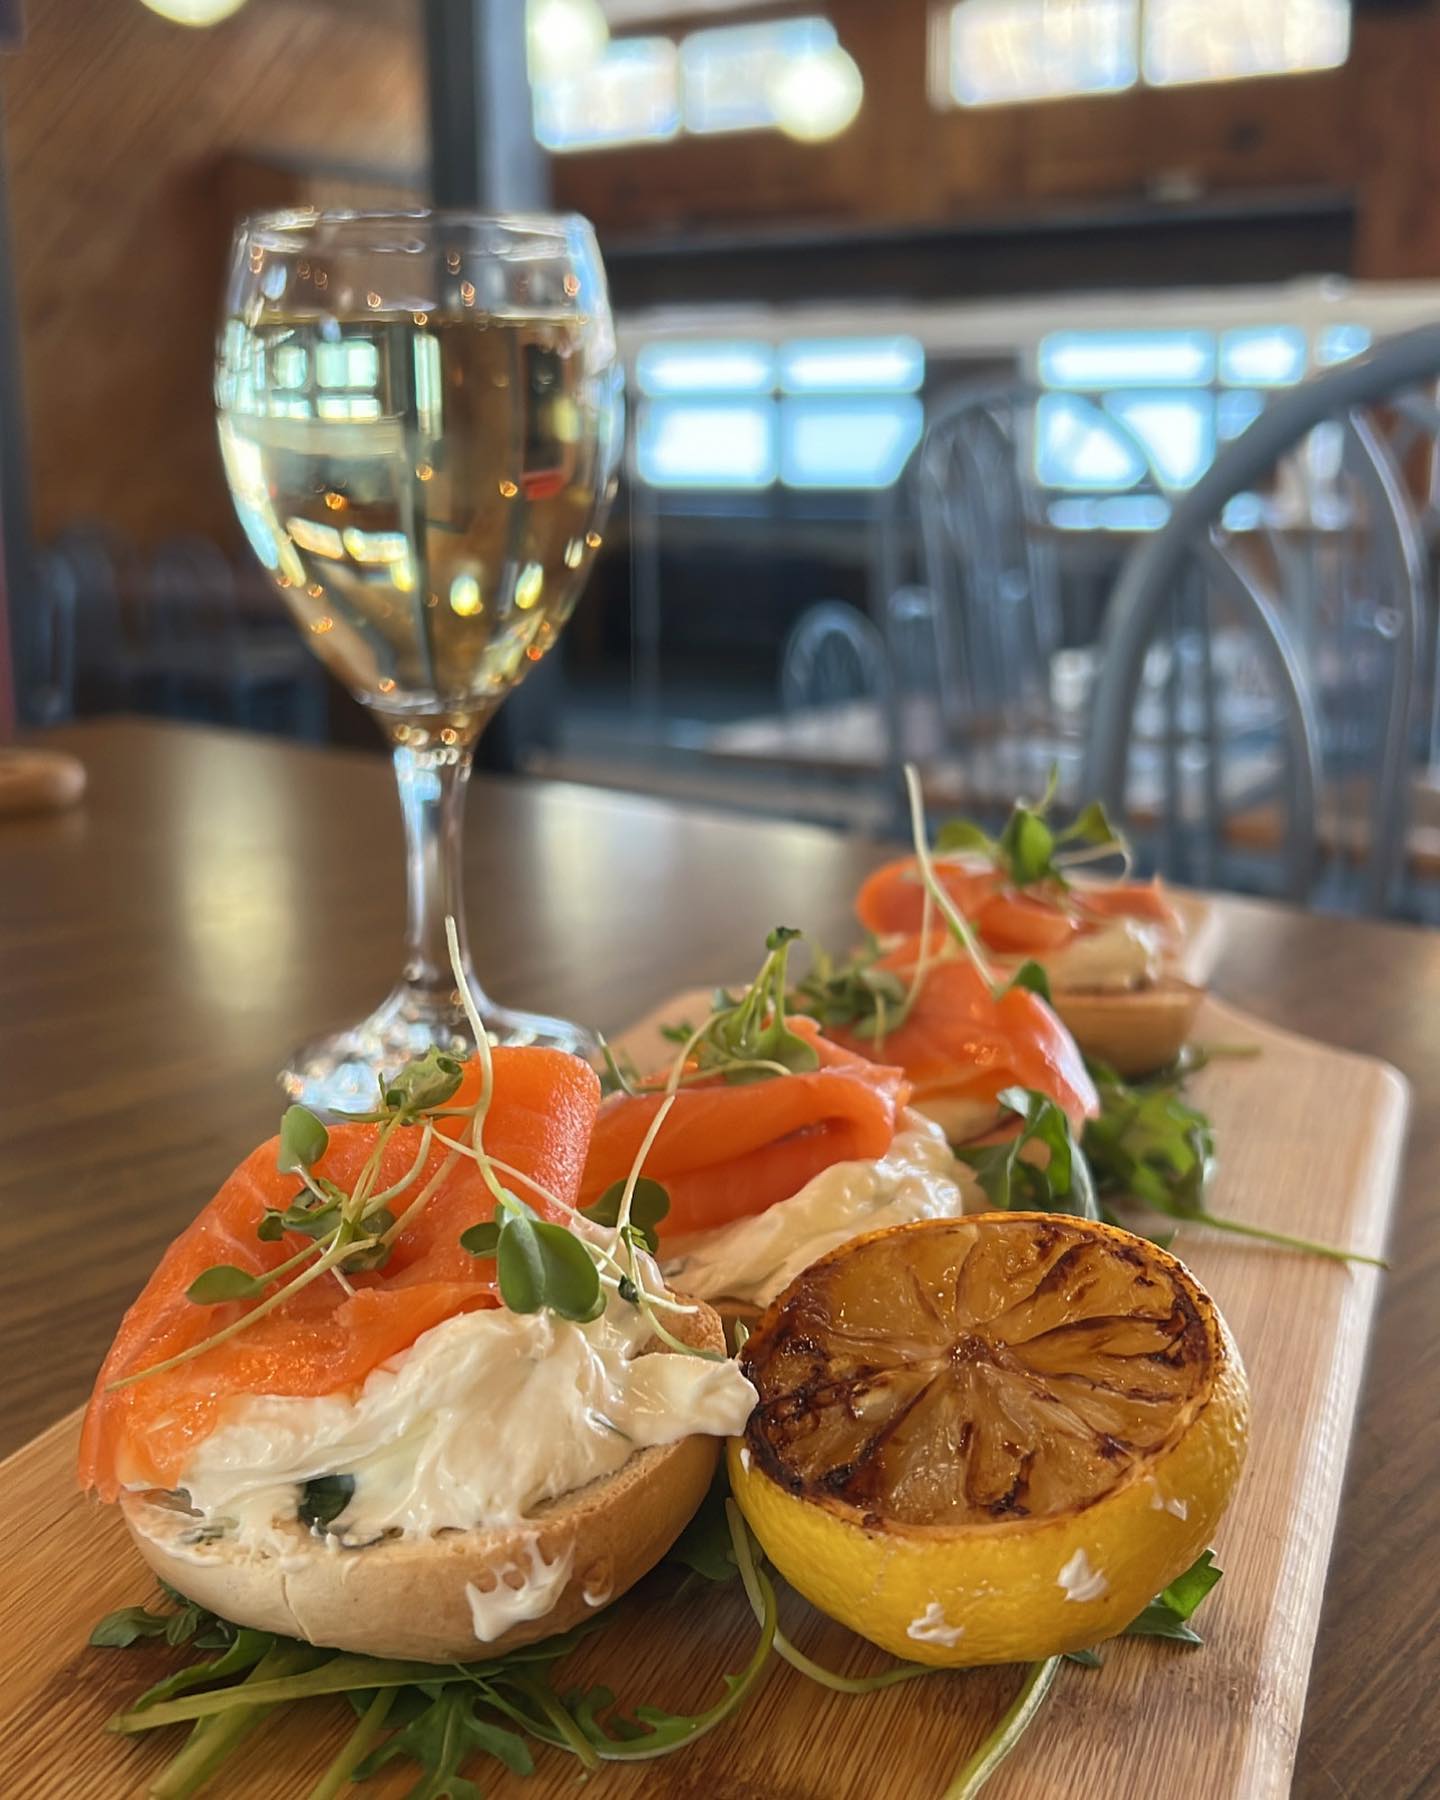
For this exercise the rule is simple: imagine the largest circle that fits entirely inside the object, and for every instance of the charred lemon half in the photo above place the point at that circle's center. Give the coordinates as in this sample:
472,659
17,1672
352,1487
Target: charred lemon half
990,1439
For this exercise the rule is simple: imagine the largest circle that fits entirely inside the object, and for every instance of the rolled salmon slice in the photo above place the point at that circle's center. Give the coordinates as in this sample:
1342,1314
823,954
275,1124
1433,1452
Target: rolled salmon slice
959,1040
724,1152
1013,922
323,1340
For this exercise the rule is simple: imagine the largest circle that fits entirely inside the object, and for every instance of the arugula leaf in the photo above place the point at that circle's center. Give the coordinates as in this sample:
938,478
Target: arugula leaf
446,1736
1053,1177
324,1499
648,1206
243,1652
126,1626
1168,1614
1032,977
705,1546
303,1140
1150,1146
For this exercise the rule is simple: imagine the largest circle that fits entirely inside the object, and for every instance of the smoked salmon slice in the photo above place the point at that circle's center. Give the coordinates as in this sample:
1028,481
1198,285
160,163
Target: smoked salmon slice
960,1040
1013,922
323,1340
725,1152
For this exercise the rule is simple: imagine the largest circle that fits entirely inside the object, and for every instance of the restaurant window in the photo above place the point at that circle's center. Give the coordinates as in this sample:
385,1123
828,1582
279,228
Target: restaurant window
630,95
728,75
998,52
1225,40
810,413
720,79
1127,417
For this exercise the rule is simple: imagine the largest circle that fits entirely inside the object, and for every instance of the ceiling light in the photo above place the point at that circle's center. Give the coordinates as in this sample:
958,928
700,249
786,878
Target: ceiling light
564,37
815,96
194,12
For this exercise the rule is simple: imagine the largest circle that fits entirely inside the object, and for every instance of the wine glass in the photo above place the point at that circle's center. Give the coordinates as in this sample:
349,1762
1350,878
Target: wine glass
420,418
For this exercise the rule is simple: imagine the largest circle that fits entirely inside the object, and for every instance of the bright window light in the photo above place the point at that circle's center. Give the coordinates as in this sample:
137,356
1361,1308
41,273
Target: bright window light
689,444
1235,412
1226,40
1176,430
348,406
996,52
1117,512
630,96
895,365
1338,343
1077,446
352,363
847,443
1001,51
728,75
1084,359
711,366
1243,512
1263,356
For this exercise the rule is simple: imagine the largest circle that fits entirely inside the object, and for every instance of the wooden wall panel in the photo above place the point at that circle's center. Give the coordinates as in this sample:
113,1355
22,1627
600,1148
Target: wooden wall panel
132,141
119,129
1372,126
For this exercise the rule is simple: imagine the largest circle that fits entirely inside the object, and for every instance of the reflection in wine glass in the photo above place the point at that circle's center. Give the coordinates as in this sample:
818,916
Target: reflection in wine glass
420,418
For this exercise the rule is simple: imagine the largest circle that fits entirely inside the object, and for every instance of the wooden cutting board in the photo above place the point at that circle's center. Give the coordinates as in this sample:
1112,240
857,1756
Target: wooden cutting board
1310,1141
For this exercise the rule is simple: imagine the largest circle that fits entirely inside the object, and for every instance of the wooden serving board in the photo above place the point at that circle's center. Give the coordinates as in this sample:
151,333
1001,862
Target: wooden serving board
1309,1140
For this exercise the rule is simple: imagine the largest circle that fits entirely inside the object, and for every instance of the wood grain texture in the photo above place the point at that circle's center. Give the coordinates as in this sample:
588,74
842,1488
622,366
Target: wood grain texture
1292,1160
216,897
117,126
904,160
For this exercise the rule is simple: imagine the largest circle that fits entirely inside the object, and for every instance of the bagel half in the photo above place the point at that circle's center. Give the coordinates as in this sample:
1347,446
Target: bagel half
407,1597
1135,1031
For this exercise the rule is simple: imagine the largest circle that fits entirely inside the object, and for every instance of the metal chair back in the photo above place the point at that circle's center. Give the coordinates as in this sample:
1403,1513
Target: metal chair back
1332,605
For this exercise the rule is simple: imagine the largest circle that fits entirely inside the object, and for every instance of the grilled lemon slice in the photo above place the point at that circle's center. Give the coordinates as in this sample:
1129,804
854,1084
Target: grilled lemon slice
990,1439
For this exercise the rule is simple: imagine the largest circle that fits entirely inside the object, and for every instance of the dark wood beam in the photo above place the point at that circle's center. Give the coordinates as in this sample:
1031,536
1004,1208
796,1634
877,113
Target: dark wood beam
14,482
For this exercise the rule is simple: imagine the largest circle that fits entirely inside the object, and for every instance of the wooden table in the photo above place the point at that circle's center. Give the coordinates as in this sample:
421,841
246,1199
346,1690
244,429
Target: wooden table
219,896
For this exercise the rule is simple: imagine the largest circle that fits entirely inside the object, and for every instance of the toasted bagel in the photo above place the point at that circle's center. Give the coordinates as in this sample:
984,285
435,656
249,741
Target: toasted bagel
1136,1031
411,1598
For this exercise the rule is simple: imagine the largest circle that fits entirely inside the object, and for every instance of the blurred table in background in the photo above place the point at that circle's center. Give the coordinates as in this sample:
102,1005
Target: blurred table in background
218,896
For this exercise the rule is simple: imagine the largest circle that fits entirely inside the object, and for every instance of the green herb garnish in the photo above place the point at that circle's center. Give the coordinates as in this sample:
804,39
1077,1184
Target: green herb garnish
1029,849
649,1203
749,1039
1168,1614
1150,1147
1039,1169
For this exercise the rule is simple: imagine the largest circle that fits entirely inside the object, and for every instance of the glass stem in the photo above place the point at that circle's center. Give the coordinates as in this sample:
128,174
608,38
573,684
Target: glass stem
432,785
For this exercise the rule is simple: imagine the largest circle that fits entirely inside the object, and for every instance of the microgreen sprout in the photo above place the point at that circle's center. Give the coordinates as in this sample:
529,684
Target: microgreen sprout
1029,849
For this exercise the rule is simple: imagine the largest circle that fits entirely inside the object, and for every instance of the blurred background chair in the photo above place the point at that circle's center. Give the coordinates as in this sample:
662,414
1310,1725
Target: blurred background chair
1262,656
50,696
184,633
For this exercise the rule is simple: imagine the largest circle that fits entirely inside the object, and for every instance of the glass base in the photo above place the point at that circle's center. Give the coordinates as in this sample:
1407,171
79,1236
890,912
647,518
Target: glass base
341,1072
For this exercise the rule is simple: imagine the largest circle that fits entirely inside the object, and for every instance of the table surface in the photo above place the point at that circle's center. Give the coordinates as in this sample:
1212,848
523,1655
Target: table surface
218,897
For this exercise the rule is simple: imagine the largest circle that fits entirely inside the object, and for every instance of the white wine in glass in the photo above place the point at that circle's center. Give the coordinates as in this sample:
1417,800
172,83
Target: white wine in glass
420,418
